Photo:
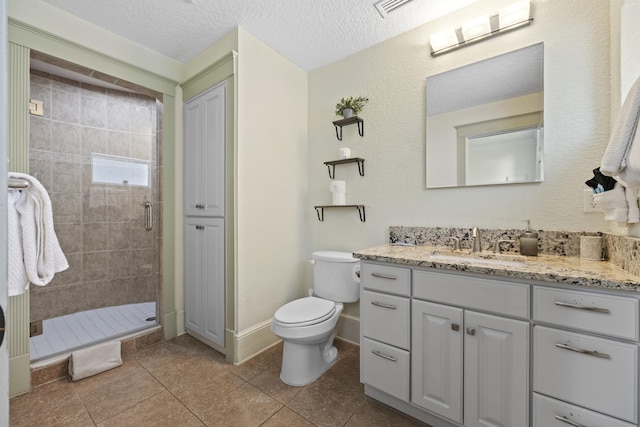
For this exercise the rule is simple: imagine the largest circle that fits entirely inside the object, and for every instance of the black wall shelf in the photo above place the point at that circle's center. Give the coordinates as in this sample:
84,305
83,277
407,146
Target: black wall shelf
331,165
320,210
345,122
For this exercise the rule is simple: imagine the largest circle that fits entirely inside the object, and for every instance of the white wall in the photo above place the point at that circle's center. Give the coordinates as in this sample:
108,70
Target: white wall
392,74
272,181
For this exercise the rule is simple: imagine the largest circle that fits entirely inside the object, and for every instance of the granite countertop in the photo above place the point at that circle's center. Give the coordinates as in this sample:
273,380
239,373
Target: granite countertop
544,268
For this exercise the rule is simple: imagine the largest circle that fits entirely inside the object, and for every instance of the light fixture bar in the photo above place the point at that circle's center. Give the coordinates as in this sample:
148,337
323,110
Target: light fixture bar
507,19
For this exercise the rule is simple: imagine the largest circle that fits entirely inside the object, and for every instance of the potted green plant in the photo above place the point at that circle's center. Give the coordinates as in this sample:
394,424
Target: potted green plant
347,107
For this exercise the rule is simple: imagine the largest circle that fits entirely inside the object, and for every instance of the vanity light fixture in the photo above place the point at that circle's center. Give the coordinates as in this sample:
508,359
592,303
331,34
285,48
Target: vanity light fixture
508,18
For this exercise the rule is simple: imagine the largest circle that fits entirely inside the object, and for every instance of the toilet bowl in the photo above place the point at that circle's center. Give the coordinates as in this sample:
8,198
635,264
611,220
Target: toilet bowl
307,325
308,343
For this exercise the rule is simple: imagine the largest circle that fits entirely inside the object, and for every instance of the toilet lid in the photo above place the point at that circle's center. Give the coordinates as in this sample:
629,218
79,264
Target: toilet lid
305,311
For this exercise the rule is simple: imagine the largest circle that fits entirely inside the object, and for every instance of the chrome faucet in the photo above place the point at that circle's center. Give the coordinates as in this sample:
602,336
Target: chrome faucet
475,234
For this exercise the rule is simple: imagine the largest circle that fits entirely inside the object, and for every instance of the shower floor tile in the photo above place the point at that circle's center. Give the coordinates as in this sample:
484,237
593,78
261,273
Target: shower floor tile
66,333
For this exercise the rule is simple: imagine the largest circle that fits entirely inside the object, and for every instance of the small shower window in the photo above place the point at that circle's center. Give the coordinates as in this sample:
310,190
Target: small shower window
119,170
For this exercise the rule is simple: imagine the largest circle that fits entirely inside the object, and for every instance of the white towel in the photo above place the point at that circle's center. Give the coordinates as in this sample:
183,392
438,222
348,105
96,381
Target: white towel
629,176
17,276
95,359
614,204
41,251
623,133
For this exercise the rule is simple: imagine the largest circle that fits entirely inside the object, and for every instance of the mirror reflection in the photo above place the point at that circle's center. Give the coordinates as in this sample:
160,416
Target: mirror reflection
485,122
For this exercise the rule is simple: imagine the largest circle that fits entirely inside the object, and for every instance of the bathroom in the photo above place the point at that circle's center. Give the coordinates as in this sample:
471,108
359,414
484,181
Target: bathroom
275,204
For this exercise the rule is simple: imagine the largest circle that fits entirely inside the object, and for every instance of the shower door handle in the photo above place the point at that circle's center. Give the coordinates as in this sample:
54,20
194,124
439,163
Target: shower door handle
148,216
2,326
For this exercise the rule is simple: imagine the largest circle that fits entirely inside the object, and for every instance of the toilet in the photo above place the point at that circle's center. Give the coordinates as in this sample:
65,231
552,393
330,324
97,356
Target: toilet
307,325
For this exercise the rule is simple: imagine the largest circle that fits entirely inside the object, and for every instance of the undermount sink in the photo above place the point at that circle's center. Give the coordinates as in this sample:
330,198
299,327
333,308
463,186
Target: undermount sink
489,259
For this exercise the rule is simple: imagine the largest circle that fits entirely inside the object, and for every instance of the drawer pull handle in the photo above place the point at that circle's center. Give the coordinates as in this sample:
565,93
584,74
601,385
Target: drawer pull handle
582,351
384,276
383,305
568,421
384,356
582,307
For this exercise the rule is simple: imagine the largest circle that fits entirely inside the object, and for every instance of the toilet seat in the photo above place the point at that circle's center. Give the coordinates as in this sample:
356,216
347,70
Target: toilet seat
305,311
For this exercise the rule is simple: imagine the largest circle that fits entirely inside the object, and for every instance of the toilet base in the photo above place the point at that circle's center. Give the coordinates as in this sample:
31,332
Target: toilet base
303,364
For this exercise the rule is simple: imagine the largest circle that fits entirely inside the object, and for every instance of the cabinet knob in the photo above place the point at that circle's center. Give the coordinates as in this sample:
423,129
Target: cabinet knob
455,327
198,206
471,331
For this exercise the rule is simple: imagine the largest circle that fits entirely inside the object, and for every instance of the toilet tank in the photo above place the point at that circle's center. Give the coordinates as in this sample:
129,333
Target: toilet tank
334,276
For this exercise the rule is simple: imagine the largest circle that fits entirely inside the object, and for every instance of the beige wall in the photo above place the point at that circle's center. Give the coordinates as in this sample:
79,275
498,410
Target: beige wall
392,74
273,207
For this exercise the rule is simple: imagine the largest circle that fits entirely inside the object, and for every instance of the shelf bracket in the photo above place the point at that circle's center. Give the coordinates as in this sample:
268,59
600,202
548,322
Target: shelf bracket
361,212
360,167
332,170
320,213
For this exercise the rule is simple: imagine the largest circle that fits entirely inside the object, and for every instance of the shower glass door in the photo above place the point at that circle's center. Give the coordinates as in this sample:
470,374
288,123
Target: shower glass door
96,151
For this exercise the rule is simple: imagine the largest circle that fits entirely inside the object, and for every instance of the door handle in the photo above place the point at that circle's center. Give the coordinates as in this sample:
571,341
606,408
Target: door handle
1,326
148,216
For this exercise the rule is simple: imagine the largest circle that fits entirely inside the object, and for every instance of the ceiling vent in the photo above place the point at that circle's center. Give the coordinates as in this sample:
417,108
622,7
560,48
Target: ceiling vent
386,6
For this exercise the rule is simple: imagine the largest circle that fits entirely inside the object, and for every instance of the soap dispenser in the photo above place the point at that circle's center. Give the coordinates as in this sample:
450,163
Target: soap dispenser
529,241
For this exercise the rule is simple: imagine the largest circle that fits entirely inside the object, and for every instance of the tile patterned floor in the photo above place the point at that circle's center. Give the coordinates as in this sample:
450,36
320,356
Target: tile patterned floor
182,382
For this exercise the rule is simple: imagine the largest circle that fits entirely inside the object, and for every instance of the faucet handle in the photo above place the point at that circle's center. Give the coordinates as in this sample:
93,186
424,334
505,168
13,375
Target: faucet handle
456,242
497,249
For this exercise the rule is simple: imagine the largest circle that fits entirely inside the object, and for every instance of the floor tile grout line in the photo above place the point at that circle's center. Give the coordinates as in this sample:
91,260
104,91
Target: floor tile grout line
84,405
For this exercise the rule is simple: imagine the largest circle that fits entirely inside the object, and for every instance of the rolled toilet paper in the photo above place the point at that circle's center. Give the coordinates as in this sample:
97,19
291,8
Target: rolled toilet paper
338,186
344,153
339,198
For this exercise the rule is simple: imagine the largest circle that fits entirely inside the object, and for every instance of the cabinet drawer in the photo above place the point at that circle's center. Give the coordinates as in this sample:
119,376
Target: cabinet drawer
393,280
385,318
549,412
386,368
596,373
484,294
604,314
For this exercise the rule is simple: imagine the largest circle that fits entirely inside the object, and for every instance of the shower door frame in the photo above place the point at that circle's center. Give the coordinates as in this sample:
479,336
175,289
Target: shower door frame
30,37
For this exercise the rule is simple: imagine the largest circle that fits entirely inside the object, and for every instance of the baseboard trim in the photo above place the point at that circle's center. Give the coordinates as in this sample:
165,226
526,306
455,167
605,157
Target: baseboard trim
348,328
253,341
19,374
259,338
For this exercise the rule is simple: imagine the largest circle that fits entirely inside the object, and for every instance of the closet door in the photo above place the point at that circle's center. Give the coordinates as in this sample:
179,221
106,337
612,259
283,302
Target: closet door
204,153
204,278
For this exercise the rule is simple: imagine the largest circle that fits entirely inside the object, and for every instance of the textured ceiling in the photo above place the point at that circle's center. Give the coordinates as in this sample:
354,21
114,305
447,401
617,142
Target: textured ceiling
310,33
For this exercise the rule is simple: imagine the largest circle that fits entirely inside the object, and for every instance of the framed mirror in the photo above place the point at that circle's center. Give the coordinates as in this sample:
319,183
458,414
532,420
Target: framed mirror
485,122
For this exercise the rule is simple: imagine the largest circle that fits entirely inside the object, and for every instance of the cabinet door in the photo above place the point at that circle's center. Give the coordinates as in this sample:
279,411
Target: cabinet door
204,278
436,358
204,153
496,364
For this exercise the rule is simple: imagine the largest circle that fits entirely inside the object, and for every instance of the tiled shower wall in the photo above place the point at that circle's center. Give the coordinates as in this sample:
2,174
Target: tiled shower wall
113,260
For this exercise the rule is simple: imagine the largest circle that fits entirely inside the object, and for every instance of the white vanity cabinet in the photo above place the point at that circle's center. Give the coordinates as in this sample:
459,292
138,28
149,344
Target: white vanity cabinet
460,349
585,354
384,354
467,366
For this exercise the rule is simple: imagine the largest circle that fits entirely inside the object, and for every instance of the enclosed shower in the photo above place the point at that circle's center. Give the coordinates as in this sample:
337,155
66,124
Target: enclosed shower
96,149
